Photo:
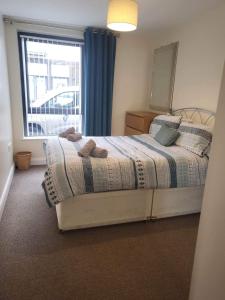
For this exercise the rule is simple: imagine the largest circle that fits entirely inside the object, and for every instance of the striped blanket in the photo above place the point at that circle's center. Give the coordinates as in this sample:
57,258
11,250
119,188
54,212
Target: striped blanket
134,162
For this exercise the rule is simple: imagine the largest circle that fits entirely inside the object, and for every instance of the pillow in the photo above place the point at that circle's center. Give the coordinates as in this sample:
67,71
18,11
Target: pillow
207,151
194,137
170,121
166,136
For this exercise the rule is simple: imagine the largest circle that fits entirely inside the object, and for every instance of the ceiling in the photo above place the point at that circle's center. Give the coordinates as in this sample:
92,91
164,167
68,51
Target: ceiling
153,14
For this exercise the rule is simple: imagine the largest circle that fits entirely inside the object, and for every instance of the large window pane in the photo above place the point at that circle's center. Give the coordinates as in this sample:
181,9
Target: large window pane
51,84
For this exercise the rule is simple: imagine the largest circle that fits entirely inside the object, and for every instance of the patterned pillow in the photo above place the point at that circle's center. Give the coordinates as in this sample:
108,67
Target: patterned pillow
194,137
170,121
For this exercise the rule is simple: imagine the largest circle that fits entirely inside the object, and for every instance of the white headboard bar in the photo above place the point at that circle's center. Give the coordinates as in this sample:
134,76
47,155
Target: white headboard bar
197,115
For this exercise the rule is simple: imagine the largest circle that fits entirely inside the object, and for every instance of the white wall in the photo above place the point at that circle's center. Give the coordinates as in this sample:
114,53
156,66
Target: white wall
131,82
200,59
5,121
198,73
208,279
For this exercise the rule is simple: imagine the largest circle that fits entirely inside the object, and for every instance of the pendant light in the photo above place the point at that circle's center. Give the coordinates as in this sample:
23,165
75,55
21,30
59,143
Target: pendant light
122,15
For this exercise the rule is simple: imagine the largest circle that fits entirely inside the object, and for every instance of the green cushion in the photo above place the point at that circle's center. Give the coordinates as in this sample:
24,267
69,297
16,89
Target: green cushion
167,136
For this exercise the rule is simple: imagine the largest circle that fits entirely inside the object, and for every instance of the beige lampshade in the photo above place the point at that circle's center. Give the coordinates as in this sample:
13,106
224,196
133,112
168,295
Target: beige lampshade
122,15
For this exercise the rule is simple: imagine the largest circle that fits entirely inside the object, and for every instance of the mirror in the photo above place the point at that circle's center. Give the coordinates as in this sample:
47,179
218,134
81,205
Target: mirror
163,75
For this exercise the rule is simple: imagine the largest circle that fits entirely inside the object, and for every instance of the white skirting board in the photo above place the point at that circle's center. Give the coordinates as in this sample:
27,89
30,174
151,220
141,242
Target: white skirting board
5,192
38,161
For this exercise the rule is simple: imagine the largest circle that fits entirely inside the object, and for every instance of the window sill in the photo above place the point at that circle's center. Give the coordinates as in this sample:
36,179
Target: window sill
37,138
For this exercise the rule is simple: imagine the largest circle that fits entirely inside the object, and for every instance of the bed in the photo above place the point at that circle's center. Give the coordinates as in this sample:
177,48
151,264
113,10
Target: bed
140,179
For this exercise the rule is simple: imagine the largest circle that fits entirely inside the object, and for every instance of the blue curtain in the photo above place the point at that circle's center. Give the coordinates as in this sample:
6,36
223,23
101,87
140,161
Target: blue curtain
98,74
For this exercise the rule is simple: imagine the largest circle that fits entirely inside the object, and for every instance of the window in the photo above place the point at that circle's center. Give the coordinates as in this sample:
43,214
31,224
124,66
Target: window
51,83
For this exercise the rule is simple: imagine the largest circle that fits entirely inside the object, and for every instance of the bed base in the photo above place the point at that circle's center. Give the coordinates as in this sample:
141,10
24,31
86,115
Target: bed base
108,208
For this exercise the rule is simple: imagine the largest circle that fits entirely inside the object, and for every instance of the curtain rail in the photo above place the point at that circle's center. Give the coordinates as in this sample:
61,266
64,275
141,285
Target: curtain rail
11,20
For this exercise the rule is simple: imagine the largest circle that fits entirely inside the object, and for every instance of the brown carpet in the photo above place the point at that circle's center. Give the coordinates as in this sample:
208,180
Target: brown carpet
131,261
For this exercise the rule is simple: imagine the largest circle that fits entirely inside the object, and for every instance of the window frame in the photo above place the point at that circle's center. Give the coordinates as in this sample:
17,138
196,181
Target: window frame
24,80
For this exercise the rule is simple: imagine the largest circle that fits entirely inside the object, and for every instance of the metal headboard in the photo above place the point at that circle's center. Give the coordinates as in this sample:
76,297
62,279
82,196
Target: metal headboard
197,115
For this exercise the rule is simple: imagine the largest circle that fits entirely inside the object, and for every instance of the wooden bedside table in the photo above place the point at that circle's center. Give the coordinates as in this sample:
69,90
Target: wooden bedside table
138,122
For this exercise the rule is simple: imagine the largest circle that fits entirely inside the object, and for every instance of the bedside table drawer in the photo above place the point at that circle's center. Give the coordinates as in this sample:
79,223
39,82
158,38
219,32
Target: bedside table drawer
138,122
135,122
132,131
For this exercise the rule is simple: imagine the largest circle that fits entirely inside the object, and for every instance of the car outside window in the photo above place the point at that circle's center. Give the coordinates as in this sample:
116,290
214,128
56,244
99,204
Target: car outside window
63,100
